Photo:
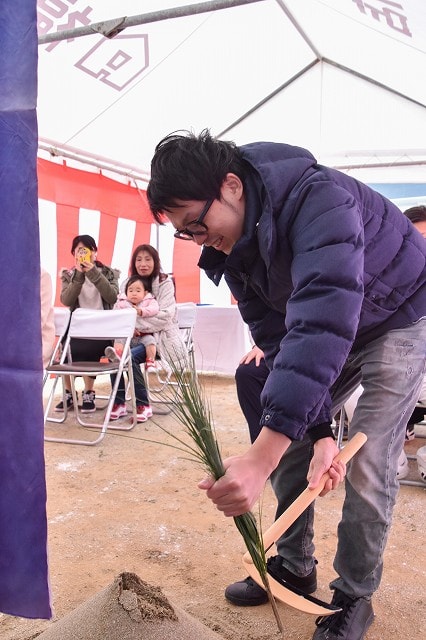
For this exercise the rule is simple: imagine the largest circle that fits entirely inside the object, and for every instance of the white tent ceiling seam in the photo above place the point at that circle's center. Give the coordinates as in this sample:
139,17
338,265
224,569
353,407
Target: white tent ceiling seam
340,78
298,75
111,28
382,159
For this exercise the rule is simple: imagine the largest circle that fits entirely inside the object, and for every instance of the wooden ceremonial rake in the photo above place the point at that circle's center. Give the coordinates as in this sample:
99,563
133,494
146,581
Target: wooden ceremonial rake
282,590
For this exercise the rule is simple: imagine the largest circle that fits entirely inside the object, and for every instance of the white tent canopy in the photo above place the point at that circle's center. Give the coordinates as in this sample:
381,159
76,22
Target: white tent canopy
343,78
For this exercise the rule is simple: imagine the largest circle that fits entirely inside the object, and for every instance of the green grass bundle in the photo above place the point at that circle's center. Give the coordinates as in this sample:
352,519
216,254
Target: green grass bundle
190,407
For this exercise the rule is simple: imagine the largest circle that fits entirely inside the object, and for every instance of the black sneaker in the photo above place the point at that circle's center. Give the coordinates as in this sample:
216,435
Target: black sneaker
351,623
88,405
247,593
409,432
68,399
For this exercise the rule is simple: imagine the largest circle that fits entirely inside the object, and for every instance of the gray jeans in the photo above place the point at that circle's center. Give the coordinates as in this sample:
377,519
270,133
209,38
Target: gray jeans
390,369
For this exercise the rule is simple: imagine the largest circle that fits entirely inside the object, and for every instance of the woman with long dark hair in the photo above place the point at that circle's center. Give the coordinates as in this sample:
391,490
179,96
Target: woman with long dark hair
145,262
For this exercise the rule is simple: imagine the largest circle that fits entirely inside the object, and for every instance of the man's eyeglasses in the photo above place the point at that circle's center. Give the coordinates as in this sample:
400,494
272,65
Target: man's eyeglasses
196,227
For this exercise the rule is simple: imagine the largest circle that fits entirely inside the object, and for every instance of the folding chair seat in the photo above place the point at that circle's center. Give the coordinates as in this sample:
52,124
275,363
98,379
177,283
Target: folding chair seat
161,383
95,325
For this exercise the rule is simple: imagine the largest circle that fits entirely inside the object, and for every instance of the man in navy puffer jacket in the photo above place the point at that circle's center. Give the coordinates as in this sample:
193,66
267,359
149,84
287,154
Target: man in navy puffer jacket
330,278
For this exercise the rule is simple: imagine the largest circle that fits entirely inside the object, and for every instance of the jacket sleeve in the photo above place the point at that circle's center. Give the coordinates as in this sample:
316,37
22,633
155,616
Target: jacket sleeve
167,310
307,343
106,282
122,302
71,283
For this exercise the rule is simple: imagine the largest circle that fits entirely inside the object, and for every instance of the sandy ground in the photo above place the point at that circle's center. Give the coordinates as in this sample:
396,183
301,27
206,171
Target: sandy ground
131,504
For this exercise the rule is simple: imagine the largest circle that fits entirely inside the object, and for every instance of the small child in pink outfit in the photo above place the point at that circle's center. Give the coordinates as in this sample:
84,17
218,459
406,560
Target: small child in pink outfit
137,296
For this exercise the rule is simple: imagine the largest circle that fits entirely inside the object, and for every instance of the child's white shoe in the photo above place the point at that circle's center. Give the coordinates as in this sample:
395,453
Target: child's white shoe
150,366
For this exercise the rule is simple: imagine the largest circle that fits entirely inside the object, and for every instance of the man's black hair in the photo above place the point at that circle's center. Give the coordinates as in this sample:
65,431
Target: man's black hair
190,167
416,214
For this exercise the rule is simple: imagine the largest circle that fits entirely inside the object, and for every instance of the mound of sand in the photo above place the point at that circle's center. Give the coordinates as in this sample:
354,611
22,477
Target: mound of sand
128,609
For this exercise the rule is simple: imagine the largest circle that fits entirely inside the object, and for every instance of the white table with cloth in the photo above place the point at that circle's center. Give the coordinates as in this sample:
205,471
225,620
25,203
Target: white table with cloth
221,338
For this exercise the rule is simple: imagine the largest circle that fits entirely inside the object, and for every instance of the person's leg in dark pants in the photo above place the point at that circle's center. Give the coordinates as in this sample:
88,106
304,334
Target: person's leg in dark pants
139,356
250,380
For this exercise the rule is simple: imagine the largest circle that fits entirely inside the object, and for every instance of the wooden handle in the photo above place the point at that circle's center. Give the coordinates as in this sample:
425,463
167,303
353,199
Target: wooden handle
307,496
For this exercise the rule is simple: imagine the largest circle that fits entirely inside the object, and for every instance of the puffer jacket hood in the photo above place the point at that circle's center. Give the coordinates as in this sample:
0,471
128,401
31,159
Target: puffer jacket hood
279,168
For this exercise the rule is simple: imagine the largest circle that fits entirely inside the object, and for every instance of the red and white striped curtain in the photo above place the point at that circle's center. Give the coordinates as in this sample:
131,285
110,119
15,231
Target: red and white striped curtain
73,202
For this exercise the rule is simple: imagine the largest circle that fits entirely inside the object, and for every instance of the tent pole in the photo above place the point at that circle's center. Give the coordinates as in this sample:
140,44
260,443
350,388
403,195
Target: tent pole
110,28
381,85
268,97
300,73
381,165
99,162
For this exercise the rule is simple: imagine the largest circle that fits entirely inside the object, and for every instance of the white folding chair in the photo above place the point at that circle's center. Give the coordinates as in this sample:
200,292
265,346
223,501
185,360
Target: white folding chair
347,412
187,312
61,317
413,456
95,325
163,381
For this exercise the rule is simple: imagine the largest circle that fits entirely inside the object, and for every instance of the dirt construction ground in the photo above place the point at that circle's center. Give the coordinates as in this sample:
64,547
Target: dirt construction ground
132,504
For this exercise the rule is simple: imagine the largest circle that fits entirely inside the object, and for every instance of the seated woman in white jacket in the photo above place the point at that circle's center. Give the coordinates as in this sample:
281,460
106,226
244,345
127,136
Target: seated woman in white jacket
145,262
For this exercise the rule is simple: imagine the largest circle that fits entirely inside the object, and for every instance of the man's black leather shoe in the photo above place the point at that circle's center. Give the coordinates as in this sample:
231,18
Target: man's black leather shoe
247,593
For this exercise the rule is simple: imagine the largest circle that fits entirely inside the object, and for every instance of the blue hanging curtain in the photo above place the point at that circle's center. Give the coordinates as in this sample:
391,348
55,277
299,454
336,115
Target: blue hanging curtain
24,587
